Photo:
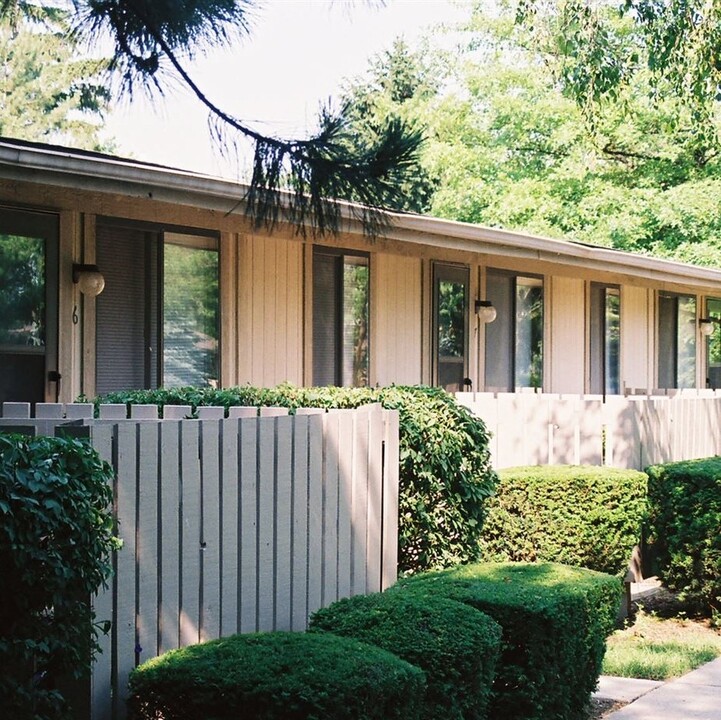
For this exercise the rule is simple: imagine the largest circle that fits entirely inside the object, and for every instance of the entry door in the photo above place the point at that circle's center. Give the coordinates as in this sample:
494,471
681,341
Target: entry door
28,307
450,332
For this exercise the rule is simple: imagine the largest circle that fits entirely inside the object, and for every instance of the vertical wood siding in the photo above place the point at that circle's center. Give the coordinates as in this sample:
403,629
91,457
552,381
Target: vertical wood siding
637,333
396,320
567,322
270,311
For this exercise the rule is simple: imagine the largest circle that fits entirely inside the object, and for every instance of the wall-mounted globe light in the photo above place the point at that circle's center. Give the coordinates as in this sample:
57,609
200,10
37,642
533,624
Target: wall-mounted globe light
89,279
485,311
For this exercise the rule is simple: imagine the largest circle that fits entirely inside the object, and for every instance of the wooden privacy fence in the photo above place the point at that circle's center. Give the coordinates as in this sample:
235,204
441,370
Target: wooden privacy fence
632,431
233,525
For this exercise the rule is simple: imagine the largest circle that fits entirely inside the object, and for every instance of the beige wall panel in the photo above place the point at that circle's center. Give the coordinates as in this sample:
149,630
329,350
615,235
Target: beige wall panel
566,354
396,303
637,333
270,312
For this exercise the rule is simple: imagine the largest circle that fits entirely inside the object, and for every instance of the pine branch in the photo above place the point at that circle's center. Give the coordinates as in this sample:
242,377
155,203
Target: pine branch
301,181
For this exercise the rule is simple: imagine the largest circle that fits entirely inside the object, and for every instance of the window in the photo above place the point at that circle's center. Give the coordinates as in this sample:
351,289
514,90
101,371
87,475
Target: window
28,306
676,341
340,318
158,317
713,345
450,332
605,339
514,341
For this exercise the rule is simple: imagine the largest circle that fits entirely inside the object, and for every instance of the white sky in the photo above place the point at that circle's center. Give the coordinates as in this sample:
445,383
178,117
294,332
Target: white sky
296,58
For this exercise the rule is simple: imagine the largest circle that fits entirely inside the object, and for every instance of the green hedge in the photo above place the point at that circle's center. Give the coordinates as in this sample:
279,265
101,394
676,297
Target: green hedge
455,645
555,620
56,539
276,676
445,470
590,517
685,529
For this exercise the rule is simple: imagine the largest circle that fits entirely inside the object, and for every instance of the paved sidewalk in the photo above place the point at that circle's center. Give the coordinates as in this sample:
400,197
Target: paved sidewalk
695,696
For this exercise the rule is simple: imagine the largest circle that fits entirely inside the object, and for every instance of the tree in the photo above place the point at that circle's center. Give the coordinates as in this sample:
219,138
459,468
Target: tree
46,93
677,43
152,44
509,145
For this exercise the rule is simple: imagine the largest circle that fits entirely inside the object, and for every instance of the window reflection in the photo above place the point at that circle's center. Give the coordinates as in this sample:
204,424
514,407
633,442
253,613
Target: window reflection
22,300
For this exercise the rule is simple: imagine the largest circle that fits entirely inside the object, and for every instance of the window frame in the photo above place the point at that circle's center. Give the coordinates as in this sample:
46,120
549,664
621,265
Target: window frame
508,334
338,255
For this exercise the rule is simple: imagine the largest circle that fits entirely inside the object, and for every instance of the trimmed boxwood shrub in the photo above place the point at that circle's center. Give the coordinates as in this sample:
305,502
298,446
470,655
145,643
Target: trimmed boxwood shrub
56,540
685,529
445,468
454,644
555,620
586,516
276,676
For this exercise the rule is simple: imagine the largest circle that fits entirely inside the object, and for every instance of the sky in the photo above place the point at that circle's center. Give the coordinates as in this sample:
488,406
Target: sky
296,58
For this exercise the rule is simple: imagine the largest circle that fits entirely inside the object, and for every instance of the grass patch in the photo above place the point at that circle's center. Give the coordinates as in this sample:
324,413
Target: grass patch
654,648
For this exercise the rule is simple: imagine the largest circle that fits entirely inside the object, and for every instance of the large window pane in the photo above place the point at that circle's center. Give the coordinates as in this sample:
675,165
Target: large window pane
28,306
341,335
529,333
451,322
612,372
190,313
355,321
605,336
677,341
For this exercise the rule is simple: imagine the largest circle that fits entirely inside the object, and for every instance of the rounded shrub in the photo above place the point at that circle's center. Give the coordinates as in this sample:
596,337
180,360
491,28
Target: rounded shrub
445,466
56,540
685,529
591,517
554,619
276,676
455,645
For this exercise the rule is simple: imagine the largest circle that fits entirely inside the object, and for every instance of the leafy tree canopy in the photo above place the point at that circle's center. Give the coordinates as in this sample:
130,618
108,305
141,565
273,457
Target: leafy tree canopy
511,144
47,94
153,43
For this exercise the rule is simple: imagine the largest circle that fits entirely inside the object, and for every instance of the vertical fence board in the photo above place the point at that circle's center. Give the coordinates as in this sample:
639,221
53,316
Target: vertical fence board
333,475
315,512
101,679
210,528
169,530
374,505
147,541
248,450
230,525
391,469
283,522
358,431
125,610
299,549
266,523
190,559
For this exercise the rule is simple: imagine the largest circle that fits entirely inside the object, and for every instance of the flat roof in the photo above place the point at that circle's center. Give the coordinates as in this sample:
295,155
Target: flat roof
99,172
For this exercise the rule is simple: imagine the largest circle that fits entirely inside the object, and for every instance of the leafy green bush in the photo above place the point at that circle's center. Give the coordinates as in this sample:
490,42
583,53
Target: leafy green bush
591,517
56,537
685,529
276,676
455,645
555,620
445,470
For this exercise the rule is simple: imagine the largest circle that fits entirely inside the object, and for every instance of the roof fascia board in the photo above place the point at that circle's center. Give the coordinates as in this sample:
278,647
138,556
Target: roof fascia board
182,187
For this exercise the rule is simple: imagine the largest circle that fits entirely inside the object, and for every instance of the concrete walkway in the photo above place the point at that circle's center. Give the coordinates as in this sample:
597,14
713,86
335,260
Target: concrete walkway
696,696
